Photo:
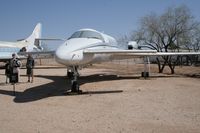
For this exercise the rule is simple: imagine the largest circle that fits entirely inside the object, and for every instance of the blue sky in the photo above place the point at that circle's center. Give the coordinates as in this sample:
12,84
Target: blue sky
60,18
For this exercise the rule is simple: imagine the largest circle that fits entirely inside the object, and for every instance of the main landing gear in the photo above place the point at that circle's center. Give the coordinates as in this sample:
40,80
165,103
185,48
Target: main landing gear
73,75
146,72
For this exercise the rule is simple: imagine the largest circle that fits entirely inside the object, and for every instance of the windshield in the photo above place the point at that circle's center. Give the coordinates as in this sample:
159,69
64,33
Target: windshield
87,34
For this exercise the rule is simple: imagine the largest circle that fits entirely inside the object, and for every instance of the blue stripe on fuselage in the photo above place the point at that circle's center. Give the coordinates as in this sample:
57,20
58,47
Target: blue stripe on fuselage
14,50
7,52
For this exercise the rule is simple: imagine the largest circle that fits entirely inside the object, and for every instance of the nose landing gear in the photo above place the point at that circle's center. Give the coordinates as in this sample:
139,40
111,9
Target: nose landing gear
73,76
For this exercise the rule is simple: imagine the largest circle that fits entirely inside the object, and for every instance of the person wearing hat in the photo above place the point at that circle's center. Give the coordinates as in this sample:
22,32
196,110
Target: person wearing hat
15,65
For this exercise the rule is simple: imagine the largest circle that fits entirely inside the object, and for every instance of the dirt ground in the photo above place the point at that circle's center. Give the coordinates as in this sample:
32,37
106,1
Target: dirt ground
116,100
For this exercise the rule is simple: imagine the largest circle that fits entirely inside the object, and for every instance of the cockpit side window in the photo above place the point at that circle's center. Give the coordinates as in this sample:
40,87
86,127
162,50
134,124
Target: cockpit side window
91,34
76,35
87,34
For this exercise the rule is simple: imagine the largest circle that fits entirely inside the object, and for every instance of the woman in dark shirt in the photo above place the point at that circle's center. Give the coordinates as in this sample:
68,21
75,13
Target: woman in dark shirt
29,66
7,71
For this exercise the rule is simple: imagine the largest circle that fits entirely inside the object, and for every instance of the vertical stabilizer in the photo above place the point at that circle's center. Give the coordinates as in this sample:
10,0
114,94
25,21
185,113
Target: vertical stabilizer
32,43
35,34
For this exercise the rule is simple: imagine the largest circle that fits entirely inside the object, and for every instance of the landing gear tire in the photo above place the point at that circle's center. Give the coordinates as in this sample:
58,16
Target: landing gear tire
75,87
145,74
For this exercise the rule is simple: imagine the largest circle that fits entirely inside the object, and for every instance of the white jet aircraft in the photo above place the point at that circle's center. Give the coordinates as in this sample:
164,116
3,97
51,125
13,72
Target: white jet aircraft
88,46
29,44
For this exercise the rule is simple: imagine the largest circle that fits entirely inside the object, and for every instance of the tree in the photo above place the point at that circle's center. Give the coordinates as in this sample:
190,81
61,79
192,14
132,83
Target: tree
169,31
123,42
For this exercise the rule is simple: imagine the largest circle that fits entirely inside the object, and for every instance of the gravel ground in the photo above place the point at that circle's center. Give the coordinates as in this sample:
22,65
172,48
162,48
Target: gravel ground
117,100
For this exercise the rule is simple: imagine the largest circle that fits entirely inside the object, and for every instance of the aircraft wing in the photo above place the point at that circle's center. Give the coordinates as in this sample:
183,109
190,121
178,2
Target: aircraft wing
4,56
39,54
137,53
7,45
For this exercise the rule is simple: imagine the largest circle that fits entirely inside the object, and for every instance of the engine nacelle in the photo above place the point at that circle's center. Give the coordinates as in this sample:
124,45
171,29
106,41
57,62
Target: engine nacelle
132,45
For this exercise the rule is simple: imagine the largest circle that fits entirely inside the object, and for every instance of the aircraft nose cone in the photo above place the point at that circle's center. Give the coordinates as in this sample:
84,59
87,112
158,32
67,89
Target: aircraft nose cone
66,57
61,56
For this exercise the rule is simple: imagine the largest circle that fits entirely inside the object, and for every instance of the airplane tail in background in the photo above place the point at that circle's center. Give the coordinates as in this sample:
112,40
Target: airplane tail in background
36,34
32,43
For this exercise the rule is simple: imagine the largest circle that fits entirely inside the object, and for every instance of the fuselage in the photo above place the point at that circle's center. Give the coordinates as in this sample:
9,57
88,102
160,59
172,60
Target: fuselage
8,48
71,52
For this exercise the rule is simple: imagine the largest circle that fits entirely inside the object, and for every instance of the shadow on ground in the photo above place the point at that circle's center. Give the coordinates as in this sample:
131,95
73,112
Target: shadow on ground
58,87
61,84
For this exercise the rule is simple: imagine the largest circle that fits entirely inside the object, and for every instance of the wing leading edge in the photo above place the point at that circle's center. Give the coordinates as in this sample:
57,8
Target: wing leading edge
137,53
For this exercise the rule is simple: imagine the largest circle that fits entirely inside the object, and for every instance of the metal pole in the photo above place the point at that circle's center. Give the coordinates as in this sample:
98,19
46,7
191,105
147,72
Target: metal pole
14,89
149,63
145,64
145,74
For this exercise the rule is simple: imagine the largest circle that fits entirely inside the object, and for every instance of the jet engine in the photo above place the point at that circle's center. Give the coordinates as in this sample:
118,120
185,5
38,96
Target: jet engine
132,45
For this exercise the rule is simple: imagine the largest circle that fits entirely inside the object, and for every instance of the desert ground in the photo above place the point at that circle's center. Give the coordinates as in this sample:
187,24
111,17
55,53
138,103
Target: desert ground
116,100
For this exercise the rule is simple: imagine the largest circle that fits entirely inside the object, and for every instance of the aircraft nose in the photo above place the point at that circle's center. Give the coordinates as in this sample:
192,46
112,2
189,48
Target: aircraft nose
61,55
66,57
69,54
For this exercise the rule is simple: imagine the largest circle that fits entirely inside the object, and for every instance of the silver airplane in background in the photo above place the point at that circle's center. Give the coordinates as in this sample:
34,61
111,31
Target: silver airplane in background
30,44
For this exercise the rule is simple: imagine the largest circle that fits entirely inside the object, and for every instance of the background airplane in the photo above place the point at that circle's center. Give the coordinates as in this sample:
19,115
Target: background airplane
30,44
88,46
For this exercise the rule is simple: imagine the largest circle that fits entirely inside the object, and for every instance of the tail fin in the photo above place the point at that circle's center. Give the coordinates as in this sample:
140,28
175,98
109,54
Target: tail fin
32,43
35,34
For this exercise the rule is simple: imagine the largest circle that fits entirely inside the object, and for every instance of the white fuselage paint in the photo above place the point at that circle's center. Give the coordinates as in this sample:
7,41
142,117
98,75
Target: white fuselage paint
71,52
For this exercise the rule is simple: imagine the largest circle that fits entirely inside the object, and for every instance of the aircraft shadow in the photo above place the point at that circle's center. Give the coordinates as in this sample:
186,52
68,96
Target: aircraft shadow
61,84
59,87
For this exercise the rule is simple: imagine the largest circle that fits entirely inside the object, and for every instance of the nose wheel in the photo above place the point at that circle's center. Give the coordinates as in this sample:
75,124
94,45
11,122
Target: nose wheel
75,86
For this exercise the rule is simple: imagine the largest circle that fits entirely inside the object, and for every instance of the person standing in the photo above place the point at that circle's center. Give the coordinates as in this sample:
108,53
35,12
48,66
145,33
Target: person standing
29,66
7,70
15,65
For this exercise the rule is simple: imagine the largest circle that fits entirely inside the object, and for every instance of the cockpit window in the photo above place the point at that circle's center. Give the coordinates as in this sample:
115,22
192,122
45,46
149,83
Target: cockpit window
87,34
76,35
